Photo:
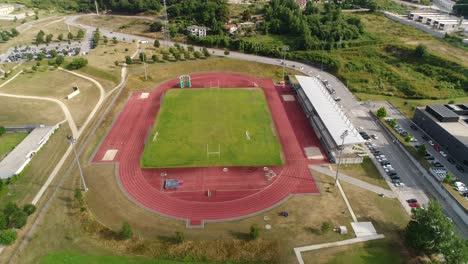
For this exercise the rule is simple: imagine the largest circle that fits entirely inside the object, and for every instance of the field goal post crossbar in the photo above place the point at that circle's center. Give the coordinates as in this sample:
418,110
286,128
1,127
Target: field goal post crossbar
184,81
208,152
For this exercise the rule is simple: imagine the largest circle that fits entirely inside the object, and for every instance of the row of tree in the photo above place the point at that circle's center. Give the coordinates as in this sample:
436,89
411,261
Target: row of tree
132,6
6,35
211,13
12,217
41,36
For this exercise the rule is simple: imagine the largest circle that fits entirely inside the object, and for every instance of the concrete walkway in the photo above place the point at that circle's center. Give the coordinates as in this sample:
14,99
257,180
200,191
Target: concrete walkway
354,181
298,250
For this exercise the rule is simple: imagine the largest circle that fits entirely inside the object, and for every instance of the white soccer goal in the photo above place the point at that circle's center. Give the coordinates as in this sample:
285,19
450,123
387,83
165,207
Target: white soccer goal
215,152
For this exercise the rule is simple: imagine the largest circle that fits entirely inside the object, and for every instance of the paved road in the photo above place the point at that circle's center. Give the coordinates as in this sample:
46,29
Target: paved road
357,113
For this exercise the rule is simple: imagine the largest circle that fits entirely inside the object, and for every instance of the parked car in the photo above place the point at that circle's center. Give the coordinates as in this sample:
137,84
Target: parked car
425,137
399,184
460,168
414,127
414,205
437,148
412,201
431,143
443,154
450,160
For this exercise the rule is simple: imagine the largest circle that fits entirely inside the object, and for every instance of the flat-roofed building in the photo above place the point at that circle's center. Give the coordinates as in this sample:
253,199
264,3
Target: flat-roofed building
6,9
448,126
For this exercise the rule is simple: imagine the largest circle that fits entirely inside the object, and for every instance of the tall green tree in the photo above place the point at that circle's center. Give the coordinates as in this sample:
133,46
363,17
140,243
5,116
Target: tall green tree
431,232
2,131
382,112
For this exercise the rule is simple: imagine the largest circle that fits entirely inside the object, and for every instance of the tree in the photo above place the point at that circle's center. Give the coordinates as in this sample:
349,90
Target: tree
40,37
77,63
128,60
408,137
254,232
429,230
226,52
3,221
142,57
422,150
126,231
80,34
105,40
206,53
7,237
17,219
30,56
40,56
394,123
59,60
179,237
154,58
2,131
114,40
382,112
448,178
156,26
10,208
156,43
60,37
420,51
53,53
49,38
246,15
29,209
372,5
70,36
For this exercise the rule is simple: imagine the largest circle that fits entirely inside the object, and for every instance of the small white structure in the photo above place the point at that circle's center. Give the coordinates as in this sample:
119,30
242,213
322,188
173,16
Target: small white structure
17,159
6,9
199,31
75,92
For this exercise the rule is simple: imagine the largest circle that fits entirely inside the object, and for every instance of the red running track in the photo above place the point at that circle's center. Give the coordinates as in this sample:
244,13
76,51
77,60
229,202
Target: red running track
240,192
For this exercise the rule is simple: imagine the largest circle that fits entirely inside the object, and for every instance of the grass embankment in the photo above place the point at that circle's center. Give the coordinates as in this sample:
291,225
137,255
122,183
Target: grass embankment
193,123
9,141
17,111
56,84
366,171
75,258
462,200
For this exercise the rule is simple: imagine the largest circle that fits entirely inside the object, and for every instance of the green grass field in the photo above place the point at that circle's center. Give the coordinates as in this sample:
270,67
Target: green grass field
9,141
236,120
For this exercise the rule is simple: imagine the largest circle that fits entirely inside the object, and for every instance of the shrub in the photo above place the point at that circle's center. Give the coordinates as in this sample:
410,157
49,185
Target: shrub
17,219
128,60
226,52
7,237
420,51
3,221
2,130
254,232
77,63
10,208
29,209
448,179
126,231
408,138
326,226
381,112
179,237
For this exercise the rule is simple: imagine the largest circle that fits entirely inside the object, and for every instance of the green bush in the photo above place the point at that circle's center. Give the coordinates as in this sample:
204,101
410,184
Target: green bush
29,209
326,226
179,237
126,231
254,232
18,219
77,63
7,237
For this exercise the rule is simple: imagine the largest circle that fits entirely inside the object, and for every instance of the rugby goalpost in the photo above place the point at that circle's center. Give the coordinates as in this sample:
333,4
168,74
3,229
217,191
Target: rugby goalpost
216,152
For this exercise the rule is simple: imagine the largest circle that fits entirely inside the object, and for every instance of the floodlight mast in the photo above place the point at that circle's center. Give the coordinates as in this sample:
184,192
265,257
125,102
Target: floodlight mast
73,142
167,36
342,136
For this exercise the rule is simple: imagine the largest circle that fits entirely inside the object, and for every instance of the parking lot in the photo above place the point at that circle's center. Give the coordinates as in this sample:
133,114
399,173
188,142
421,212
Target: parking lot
21,54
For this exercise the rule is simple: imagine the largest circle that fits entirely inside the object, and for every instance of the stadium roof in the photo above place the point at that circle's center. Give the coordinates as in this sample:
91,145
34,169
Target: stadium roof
19,157
329,111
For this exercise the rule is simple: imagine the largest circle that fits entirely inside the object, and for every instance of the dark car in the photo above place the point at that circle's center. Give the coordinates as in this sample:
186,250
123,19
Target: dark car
393,174
460,168
425,137
429,158
396,180
414,127
410,201
452,161
384,162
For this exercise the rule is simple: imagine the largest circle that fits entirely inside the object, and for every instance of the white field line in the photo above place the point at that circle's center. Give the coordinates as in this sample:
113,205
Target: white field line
247,135
155,136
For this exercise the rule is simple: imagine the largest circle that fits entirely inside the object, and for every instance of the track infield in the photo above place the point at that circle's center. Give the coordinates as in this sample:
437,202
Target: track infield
212,127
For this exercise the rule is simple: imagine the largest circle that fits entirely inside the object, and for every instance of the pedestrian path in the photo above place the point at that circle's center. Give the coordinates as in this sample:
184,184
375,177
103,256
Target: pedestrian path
354,181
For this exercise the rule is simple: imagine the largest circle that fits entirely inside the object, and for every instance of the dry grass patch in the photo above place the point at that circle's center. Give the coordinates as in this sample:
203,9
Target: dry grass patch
365,171
124,24
17,112
57,84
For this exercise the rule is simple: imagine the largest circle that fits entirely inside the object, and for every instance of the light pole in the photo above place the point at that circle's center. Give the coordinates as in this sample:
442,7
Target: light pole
342,136
73,142
285,48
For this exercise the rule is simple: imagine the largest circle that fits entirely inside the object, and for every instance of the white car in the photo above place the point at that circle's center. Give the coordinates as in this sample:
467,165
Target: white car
443,154
301,68
431,143
399,184
374,136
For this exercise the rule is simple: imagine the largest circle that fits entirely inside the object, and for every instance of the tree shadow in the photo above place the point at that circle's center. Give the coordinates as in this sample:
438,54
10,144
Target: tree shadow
313,230
240,235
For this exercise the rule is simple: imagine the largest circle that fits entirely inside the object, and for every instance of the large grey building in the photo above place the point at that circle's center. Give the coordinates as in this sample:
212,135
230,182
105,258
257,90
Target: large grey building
448,126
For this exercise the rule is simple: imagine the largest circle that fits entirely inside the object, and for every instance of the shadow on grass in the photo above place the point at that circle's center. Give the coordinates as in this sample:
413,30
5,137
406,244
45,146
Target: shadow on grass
313,230
240,235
